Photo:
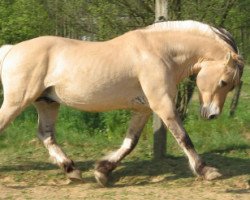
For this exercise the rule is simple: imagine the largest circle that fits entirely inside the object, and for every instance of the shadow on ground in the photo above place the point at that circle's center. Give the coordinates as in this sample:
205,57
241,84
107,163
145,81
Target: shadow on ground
177,167
41,166
174,167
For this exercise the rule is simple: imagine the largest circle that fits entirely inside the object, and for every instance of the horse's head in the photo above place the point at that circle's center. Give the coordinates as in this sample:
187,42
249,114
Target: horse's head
214,80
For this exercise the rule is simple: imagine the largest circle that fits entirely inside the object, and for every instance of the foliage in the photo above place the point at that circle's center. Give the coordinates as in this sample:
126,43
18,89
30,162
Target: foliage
22,20
115,17
231,14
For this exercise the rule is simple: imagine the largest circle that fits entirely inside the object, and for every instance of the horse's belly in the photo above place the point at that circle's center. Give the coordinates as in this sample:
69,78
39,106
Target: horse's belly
91,97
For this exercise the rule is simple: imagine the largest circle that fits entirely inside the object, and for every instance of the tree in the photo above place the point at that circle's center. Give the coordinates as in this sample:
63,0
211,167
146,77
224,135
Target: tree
21,20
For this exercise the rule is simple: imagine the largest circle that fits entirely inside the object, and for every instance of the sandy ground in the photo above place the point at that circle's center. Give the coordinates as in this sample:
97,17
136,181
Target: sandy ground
157,188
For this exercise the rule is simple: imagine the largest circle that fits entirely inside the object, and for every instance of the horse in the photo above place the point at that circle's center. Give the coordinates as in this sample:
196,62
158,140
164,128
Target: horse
138,71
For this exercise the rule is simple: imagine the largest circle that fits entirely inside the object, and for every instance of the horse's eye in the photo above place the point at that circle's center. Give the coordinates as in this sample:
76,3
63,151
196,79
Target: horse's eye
223,83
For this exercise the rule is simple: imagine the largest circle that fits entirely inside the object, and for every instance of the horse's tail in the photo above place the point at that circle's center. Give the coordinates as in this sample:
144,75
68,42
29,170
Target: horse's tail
3,52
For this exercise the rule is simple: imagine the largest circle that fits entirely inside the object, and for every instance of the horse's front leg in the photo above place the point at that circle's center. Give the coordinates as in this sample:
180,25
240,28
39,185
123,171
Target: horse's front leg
47,112
166,110
160,90
107,164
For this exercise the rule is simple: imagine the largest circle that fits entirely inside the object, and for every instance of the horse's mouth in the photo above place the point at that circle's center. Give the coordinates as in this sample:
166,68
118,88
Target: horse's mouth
209,112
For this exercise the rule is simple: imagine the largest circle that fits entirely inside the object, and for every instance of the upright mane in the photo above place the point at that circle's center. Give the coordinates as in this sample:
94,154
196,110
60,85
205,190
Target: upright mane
196,28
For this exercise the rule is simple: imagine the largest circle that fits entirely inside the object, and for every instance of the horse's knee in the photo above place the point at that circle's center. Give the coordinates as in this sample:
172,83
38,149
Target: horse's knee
185,141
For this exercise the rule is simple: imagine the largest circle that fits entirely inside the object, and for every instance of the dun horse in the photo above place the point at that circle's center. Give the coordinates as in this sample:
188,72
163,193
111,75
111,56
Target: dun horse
138,71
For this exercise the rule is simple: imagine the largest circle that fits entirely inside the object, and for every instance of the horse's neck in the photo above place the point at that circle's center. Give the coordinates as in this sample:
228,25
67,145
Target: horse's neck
184,50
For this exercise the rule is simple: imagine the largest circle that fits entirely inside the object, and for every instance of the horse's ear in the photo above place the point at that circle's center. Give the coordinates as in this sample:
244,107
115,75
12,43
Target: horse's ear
230,60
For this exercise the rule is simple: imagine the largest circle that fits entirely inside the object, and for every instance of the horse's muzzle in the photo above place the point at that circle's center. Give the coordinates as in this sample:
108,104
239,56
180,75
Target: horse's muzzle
210,112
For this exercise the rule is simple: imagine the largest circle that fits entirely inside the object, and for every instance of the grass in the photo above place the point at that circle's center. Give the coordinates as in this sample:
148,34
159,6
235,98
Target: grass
224,143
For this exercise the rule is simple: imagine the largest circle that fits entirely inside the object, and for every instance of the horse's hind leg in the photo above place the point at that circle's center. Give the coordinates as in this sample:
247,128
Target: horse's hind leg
107,164
14,103
8,112
47,113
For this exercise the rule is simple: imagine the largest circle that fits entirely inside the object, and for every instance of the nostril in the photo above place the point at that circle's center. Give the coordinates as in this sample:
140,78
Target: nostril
211,116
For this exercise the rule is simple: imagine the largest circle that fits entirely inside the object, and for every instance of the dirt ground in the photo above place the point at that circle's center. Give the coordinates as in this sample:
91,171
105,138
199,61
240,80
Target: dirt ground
30,176
153,187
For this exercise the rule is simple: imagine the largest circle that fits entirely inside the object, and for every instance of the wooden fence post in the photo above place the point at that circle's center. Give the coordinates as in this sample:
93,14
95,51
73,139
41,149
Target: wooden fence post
161,10
160,137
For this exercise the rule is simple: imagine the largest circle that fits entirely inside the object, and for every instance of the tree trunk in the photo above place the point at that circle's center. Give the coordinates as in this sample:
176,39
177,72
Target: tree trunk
161,10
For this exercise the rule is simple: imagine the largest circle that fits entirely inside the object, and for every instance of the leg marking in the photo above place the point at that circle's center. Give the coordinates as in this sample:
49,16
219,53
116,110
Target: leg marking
47,117
166,110
127,143
107,164
58,156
